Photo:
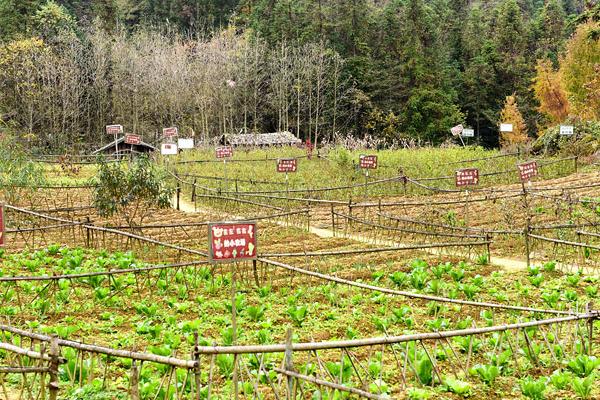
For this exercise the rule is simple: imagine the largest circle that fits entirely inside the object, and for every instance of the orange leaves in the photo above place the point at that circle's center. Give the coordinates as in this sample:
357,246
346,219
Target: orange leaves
511,115
550,92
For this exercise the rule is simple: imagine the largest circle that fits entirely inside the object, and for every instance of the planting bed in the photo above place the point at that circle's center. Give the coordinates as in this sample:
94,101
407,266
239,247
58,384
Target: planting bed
361,316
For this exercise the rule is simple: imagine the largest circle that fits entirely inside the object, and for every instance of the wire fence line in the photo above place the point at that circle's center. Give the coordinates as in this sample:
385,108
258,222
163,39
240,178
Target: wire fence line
400,355
401,346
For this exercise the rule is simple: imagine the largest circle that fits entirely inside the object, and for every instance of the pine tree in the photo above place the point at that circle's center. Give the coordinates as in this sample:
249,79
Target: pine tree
510,40
479,88
550,30
511,115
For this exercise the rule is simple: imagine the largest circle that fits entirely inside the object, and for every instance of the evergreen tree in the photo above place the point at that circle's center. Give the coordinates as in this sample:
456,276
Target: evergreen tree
15,17
549,31
510,40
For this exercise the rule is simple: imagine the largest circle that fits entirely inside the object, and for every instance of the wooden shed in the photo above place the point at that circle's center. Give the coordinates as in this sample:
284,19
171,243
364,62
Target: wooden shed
124,148
260,139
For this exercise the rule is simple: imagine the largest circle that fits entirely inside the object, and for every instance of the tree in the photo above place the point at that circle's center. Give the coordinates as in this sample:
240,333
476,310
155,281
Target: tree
15,17
550,30
511,115
479,84
578,67
550,93
132,190
53,23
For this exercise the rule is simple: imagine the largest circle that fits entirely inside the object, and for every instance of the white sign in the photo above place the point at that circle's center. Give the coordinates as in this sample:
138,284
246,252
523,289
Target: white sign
185,143
506,127
566,130
456,130
168,149
467,132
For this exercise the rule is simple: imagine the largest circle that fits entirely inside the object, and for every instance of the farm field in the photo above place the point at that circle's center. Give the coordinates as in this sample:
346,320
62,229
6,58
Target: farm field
383,286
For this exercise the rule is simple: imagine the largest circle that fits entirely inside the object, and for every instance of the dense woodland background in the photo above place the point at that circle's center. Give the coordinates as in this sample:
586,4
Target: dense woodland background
399,72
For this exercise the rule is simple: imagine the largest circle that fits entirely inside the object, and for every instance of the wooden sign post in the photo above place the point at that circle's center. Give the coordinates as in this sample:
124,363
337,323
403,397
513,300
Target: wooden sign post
367,162
224,152
285,165
464,178
233,242
527,171
115,130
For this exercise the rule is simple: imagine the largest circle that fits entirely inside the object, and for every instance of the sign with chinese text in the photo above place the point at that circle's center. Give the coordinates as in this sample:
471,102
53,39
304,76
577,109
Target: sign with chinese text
168,149
2,233
170,132
232,241
224,152
114,129
566,130
467,177
185,143
287,165
506,127
468,132
133,139
528,170
368,162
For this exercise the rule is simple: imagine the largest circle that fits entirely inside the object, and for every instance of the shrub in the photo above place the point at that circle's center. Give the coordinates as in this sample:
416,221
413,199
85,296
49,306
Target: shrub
131,190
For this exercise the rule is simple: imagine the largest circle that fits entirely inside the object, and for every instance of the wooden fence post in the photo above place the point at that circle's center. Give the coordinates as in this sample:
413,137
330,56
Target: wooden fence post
488,239
196,356
178,194
87,232
54,360
590,322
332,220
527,229
289,365
194,191
135,381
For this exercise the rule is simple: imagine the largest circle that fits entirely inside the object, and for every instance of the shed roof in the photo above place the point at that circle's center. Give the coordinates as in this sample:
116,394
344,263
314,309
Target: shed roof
261,139
121,140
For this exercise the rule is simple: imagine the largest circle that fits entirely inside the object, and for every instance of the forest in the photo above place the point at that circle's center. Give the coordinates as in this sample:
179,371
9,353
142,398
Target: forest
388,72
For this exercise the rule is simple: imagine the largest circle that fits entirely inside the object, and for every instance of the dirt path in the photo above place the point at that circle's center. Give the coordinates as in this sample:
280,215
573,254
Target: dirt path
507,264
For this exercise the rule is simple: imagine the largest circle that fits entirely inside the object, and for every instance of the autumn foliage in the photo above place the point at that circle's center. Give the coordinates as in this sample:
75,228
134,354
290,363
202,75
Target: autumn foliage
550,92
572,90
511,115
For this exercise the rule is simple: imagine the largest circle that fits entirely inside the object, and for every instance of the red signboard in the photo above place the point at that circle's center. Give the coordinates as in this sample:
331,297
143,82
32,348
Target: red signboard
224,152
2,241
287,165
133,139
309,149
467,177
232,241
368,162
170,132
114,129
528,170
